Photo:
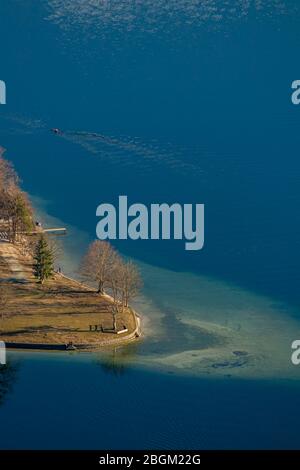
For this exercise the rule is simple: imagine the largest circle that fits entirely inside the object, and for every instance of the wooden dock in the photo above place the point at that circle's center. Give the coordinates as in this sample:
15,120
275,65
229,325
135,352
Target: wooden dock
50,231
5,234
55,231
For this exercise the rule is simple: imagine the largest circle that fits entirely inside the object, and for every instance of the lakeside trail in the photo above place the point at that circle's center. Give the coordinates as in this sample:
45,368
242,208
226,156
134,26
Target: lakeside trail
59,314
9,254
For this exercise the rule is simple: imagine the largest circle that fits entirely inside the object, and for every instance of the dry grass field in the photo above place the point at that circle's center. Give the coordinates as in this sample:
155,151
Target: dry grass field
59,312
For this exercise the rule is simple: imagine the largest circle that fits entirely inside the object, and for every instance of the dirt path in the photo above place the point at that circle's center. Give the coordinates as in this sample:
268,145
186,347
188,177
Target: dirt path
10,255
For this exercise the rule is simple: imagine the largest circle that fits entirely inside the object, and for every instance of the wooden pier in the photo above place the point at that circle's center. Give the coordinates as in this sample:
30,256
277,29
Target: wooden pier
50,231
55,231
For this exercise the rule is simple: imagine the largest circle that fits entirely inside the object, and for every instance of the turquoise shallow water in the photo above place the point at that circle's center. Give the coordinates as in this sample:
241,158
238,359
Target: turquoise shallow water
194,99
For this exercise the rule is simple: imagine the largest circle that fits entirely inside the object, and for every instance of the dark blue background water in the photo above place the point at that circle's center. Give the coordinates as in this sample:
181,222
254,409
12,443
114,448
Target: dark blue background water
81,404
210,94
218,93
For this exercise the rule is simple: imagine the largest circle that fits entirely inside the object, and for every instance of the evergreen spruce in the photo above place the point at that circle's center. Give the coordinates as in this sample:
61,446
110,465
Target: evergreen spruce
43,260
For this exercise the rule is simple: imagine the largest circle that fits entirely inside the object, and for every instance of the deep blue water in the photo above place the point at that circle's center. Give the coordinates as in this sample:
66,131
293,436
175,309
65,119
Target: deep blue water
217,94
200,108
81,404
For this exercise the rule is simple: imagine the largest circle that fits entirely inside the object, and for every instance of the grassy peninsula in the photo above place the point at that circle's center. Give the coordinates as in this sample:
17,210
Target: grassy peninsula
40,307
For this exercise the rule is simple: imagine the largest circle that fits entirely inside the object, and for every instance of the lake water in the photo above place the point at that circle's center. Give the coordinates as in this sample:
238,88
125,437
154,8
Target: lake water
193,99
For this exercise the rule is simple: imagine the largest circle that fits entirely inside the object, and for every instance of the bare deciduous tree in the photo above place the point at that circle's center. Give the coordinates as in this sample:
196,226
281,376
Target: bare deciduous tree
114,285
15,212
8,176
15,209
115,311
130,282
21,214
98,264
103,265
124,284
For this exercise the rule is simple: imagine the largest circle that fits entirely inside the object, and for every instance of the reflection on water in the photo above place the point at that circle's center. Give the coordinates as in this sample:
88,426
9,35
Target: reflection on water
117,360
8,376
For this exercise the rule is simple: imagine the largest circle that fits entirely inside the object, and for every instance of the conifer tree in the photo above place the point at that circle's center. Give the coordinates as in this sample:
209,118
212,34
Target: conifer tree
43,260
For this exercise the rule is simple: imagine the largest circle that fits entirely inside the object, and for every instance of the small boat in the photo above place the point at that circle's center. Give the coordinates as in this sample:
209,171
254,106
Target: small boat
55,130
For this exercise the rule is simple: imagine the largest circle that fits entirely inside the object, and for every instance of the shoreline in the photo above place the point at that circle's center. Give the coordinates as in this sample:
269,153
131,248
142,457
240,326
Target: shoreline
67,311
77,347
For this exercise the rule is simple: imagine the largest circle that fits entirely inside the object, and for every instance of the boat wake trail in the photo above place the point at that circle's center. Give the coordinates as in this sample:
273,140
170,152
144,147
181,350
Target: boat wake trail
22,125
125,150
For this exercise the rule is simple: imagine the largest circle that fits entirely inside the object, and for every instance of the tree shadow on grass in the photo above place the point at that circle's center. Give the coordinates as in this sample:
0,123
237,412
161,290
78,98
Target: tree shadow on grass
15,280
39,329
